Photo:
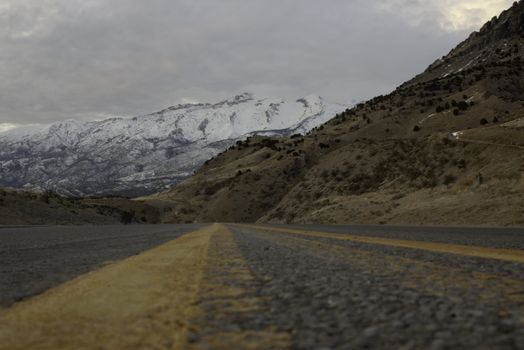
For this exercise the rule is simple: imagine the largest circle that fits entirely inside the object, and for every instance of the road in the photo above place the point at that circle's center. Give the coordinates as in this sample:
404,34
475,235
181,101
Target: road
33,259
267,287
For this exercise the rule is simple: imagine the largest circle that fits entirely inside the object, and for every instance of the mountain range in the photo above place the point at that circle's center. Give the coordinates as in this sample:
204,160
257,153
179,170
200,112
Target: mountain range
446,147
146,154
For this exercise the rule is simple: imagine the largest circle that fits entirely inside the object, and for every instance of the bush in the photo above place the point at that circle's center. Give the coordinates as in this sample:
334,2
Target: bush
456,112
462,105
127,217
209,191
483,121
47,196
449,179
416,128
269,143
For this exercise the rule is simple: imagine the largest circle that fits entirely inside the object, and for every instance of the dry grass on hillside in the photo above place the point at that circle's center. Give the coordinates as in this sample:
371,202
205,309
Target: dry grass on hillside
24,208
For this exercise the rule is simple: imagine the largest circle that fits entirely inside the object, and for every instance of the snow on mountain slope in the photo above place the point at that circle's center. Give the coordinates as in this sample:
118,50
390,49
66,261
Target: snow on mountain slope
141,155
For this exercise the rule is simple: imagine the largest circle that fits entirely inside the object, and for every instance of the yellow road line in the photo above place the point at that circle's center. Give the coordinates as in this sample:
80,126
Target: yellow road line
143,302
464,250
150,301
228,289
426,276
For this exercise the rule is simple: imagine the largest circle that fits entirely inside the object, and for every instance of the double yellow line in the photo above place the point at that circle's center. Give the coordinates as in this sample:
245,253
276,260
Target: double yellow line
510,255
151,300
148,301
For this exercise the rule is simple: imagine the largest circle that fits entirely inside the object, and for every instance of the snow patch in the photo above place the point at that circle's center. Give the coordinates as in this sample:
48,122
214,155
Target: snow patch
99,157
456,135
427,117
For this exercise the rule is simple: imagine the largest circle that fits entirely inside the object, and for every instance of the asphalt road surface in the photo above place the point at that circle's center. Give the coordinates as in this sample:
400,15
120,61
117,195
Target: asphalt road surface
33,259
266,287
495,237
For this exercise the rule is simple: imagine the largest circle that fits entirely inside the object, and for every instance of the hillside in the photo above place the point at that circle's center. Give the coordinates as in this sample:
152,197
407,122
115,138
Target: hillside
143,155
446,147
26,208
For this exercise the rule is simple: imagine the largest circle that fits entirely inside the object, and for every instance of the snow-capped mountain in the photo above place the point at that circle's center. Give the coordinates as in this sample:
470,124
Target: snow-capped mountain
141,155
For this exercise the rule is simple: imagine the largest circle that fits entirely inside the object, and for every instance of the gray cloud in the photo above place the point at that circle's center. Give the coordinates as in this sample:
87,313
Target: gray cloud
88,59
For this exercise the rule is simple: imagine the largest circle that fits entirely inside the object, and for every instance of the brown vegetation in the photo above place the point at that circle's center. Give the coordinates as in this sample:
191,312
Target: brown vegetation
25,208
393,159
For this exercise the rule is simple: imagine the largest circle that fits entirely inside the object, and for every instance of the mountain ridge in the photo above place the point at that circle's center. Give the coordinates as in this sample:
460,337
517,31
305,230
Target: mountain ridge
140,155
443,148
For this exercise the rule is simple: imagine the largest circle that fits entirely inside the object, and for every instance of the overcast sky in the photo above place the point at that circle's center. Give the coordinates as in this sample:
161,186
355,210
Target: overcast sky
88,59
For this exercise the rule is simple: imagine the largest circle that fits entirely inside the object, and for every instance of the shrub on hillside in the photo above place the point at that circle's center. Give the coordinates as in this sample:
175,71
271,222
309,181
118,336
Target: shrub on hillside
449,179
127,217
462,105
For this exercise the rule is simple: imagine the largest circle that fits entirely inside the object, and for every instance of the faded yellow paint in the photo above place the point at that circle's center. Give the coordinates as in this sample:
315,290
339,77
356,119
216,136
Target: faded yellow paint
143,302
149,301
227,289
464,250
429,277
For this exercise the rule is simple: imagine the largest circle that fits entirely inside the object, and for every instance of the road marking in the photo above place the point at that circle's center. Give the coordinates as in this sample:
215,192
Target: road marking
464,250
227,295
142,302
180,295
426,276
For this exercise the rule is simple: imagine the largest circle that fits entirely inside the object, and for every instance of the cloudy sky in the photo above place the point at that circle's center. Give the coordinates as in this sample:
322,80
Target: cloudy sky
88,59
